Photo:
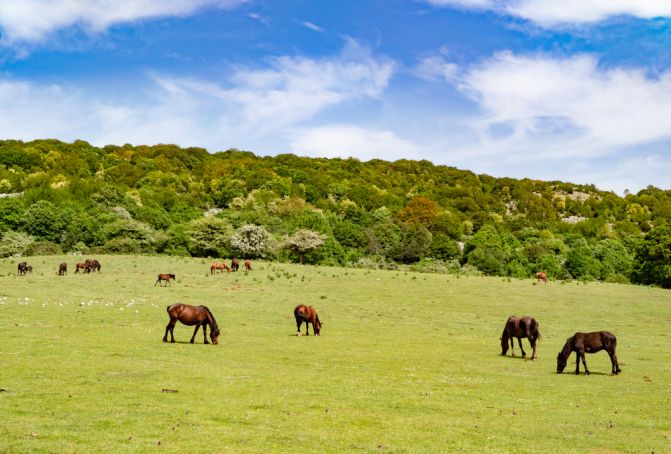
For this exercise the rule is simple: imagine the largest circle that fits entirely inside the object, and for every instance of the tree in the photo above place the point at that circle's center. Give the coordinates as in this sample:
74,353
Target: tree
43,220
252,241
209,237
652,261
419,210
303,241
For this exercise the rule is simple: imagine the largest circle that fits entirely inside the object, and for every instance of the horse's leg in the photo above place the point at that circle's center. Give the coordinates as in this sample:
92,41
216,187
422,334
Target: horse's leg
307,328
584,363
194,333
615,367
519,340
170,327
298,326
205,333
577,362
534,354
512,344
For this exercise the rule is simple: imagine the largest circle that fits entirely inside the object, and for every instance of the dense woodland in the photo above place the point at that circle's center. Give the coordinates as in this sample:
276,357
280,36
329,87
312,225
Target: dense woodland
61,197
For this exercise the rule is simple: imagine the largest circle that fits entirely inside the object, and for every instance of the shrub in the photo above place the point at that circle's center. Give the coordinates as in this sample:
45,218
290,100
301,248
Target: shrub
14,243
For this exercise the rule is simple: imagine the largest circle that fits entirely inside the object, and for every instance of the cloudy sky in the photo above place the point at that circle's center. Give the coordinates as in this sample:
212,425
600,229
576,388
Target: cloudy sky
572,90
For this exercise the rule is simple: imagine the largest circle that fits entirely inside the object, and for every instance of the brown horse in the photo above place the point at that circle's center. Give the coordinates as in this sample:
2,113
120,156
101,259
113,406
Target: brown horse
520,327
219,266
92,265
248,265
63,269
164,277
582,343
81,266
541,276
235,264
307,314
192,315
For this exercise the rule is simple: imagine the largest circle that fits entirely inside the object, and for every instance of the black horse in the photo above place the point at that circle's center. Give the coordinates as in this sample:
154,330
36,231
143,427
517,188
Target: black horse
520,327
582,343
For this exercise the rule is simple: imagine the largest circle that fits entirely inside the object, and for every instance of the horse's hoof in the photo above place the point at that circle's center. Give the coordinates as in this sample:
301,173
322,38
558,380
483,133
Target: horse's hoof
298,334
172,341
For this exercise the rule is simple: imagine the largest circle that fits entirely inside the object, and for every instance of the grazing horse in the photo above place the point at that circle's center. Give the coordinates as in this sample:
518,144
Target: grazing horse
219,266
248,265
235,264
520,327
81,266
63,269
582,343
22,268
307,314
192,315
92,265
29,269
166,278
541,276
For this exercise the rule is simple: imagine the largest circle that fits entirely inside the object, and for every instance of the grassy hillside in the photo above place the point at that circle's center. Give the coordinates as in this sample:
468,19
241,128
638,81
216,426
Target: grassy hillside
406,362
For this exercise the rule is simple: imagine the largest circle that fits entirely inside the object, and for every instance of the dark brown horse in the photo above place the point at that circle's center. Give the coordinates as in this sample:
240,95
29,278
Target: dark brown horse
235,264
307,314
22,268
248,265
63,269
92,265
166,278
221,266
541,276
192,315
582,343
520,327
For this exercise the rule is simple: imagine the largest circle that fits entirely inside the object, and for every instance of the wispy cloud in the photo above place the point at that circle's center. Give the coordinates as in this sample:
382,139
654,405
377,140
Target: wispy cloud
312,26
31,21
342,140
551,13
249,104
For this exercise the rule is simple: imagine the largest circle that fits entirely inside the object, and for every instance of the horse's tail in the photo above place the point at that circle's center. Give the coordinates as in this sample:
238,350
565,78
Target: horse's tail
535,328
213,322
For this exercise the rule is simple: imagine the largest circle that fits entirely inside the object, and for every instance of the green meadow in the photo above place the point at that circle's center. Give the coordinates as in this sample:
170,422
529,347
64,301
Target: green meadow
406,362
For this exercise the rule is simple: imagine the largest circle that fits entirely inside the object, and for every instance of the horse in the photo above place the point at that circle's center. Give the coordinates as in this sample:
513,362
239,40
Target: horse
541,276
81,266
29,269
582,343
92,265
219,266
520,327
22,268
164,277
307,314
192,315
63,269
248,265
235,264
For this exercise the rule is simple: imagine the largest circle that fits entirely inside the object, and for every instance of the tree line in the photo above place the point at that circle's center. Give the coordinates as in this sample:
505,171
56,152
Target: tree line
58,197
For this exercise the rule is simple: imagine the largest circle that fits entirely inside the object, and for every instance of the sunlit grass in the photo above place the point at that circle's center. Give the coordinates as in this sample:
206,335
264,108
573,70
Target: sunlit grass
406,362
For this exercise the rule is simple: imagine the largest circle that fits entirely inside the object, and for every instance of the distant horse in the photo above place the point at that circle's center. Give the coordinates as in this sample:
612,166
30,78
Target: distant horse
166,278
22,268
248,265
582,343
541,276
219,266
81,266
520,327
63,269
92,265
192,315
235,264
307,314
29,269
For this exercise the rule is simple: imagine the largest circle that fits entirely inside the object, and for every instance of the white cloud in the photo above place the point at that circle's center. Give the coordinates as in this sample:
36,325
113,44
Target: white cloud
562,107
312,26
550,13
249,105
34,20
342,140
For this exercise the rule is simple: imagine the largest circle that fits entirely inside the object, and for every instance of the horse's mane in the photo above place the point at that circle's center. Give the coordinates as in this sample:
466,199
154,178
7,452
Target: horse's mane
566,351
213,321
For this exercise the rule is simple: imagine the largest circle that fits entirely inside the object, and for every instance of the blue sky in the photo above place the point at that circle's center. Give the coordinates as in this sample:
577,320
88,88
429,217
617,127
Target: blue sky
577,90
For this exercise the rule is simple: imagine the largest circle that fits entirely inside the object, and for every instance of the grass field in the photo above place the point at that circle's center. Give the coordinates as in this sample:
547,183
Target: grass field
406,363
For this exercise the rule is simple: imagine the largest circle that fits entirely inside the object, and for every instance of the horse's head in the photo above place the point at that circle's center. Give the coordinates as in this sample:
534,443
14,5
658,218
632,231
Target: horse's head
561,362
317,327
214,336
504,346
172,276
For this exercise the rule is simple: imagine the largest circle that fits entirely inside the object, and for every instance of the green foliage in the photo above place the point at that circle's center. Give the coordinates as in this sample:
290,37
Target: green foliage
14,243
209,237
652,262
303,241
252,241
43,220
